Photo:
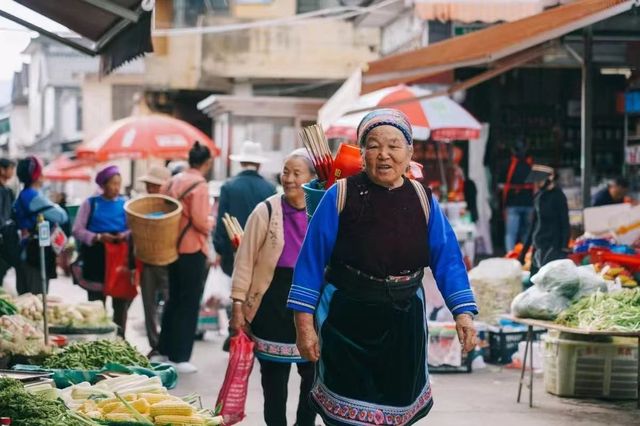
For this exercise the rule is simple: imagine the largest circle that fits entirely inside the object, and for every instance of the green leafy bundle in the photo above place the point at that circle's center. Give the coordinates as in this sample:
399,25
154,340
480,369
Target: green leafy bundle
619,311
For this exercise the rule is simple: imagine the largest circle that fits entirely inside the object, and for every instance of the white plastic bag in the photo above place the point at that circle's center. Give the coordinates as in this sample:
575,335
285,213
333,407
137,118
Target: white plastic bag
538,304
559,276
590,282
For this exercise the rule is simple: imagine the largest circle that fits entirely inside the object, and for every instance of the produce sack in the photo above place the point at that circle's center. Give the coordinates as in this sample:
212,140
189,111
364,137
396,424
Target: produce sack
538,304
233,394
119,279
495,282
559,276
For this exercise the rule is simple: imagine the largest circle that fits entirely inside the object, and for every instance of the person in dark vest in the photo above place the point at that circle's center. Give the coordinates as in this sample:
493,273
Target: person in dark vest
550,230
357,285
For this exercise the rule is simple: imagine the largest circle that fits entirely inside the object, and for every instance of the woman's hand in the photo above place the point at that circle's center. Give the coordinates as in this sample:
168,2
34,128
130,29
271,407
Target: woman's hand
466,332
237,322
306,337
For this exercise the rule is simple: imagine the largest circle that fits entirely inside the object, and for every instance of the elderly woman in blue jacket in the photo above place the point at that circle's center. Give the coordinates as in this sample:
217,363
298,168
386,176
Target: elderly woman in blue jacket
359,276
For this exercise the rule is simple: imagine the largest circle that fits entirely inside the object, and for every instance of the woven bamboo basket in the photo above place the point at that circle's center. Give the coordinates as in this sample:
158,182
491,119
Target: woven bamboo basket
155,238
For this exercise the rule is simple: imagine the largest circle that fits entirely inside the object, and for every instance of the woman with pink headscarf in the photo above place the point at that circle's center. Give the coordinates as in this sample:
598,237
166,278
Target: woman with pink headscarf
101,219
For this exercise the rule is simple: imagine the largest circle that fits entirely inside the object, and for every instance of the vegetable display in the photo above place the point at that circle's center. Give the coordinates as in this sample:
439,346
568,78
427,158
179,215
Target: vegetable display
136,399
19,337
619,311
81,315
95,355
27,409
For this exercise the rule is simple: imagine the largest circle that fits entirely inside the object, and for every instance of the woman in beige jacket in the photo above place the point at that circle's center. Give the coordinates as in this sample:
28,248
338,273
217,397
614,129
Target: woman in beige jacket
261,282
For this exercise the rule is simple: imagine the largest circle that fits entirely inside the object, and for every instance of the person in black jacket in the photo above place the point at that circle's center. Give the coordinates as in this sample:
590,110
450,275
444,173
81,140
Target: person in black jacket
550,230
7,198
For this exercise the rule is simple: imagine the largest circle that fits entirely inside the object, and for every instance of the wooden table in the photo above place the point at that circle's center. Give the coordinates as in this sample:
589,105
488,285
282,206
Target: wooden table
531,323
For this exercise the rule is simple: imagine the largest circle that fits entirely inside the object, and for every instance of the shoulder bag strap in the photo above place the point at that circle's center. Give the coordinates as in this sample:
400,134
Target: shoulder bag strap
180,198
269,208
424,198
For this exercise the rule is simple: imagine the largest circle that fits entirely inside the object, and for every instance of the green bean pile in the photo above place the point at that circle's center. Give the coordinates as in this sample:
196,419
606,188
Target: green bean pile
619,311
95,355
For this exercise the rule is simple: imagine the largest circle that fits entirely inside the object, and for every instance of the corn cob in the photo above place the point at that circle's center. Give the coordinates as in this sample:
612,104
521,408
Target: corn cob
176,420
154,398
120,417
107,408
171,408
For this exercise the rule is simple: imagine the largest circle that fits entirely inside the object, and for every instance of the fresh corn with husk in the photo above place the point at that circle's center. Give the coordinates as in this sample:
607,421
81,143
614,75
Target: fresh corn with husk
171,408
177,420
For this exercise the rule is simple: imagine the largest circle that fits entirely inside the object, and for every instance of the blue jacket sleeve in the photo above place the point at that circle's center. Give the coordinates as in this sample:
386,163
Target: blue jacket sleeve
447,265
308,276
54,213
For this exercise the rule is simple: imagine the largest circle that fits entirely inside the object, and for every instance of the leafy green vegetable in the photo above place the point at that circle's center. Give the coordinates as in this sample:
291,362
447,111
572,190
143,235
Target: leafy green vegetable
619,311
95,355
26,409
7,308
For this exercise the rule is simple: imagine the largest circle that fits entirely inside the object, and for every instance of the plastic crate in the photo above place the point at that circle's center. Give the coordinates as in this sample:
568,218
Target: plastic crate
504,341
583,369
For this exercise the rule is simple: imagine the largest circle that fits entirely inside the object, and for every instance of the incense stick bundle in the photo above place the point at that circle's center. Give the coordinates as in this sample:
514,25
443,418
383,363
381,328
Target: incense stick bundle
315,142
233,228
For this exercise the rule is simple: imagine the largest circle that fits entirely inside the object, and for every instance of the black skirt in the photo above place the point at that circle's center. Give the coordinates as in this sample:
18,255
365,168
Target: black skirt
373,363
272,328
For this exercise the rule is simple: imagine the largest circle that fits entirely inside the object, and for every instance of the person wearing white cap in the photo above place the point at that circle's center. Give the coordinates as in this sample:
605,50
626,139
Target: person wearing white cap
154,280
239,196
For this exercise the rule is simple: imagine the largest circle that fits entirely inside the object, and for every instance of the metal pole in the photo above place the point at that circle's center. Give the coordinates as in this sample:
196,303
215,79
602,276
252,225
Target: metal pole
586,125
42,230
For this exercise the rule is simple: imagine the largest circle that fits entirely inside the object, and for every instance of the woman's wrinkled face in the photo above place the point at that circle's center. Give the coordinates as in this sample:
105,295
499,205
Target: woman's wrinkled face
294,174
386,156
112,187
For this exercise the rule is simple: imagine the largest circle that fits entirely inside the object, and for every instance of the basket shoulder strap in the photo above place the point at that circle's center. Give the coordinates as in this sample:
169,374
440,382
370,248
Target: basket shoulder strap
424,198
341,199
180,198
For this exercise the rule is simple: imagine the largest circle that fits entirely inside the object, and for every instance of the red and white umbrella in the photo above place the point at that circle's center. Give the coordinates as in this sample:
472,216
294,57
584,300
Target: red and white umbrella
64,169
439,118
154,135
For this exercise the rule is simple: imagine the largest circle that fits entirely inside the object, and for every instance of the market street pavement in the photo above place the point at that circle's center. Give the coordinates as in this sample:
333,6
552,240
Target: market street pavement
483,397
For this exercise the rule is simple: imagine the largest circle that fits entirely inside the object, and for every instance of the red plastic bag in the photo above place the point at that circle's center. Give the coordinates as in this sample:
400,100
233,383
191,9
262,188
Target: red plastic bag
119,280
233,394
